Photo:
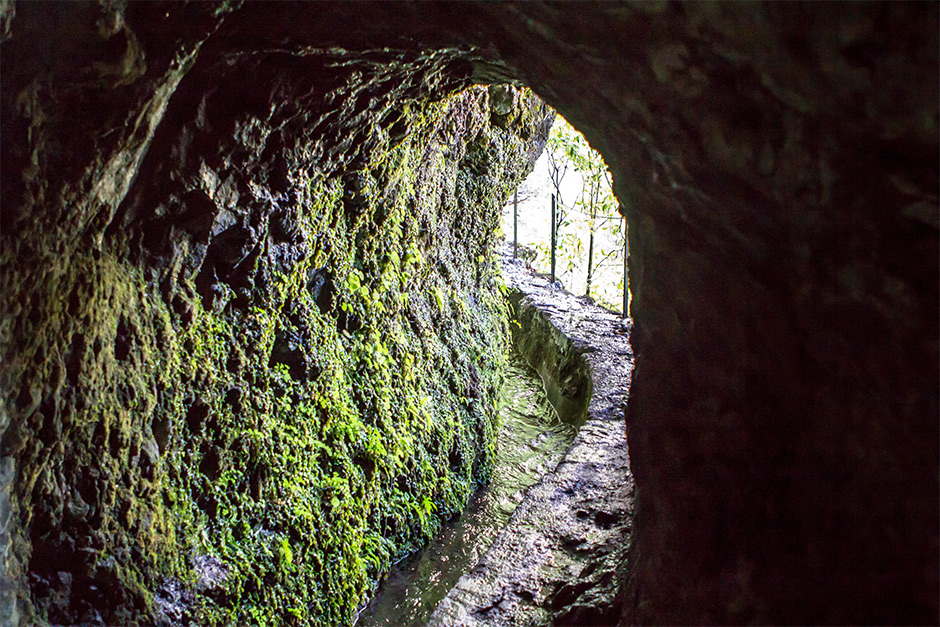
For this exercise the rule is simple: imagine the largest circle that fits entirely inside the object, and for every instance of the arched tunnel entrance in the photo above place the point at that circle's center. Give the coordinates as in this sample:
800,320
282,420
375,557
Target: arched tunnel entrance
248,305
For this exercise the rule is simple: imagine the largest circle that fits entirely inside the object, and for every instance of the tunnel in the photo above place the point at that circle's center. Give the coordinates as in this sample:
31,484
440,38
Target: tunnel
251,331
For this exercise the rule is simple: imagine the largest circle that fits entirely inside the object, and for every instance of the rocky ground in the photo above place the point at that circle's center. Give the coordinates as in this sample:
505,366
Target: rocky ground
556,561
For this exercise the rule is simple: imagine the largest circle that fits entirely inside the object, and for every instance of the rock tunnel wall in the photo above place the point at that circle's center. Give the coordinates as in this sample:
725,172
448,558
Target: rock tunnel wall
252,338
778,167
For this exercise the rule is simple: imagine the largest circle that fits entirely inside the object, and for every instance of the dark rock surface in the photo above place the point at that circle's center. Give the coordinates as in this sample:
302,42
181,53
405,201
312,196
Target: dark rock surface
557,560
778,167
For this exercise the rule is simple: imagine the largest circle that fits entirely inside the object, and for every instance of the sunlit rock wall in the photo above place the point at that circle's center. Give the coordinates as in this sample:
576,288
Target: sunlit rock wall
251,333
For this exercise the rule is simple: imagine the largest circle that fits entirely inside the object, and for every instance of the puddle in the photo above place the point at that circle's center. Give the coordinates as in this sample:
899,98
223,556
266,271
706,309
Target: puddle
530,443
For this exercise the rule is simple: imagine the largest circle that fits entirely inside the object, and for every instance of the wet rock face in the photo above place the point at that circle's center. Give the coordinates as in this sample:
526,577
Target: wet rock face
777,165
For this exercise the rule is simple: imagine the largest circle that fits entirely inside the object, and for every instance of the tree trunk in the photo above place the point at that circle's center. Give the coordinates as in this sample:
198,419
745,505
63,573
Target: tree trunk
590,264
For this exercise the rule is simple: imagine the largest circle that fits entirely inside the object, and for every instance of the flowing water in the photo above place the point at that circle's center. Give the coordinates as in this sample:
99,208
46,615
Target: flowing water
530,443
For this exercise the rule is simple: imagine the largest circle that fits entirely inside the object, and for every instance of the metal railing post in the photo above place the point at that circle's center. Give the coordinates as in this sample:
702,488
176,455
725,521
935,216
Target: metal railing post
515,223
554,228
626,284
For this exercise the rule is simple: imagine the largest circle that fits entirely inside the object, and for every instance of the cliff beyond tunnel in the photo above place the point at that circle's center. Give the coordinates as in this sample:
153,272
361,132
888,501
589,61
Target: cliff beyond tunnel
252,335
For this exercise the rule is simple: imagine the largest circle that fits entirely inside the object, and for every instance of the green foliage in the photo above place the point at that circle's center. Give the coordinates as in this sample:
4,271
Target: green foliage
590,229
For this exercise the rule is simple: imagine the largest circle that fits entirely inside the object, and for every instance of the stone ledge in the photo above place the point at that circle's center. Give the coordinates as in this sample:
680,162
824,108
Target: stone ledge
557,560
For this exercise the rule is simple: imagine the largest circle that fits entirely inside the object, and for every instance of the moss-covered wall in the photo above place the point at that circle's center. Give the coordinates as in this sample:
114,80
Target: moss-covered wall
240,390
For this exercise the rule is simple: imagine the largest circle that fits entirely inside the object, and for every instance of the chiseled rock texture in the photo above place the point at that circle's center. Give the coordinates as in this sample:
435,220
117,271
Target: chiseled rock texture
778,166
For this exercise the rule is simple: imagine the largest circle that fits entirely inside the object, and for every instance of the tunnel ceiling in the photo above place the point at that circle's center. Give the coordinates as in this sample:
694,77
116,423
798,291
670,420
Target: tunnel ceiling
777,165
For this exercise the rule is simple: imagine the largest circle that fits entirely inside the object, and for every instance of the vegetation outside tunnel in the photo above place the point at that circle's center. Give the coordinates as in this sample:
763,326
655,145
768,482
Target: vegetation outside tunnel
590,243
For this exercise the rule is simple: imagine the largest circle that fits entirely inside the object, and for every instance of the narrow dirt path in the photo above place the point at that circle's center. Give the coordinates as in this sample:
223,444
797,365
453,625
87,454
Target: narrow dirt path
557,559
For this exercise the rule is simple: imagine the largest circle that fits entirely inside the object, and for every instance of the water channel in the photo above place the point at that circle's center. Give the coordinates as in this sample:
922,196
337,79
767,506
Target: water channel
530,443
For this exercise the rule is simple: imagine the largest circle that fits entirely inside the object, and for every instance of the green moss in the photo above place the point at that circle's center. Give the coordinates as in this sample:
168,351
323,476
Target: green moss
298,447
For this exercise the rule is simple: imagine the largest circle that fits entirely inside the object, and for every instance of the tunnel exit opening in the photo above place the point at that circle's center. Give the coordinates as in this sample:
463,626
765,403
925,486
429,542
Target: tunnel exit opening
565,221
